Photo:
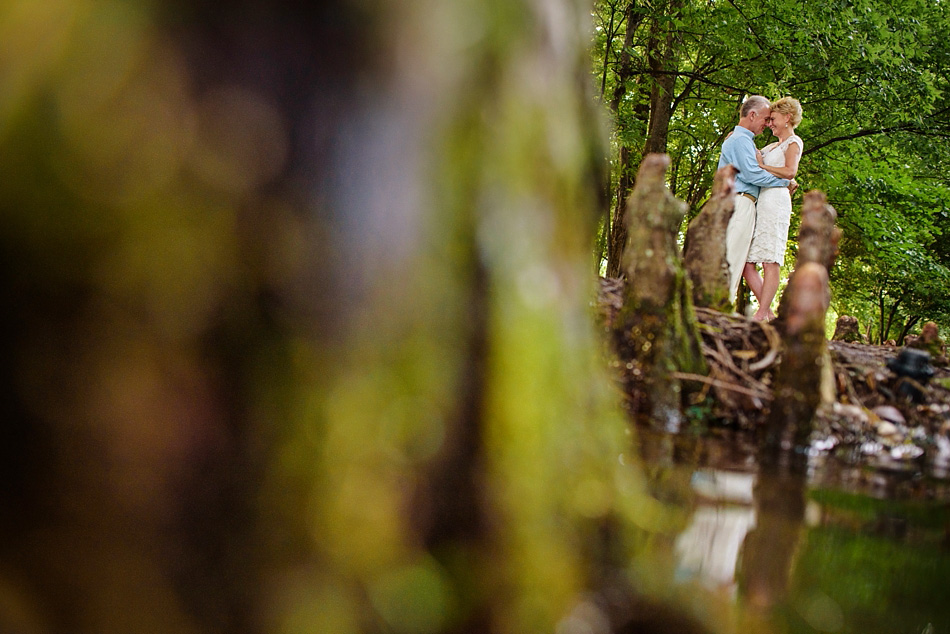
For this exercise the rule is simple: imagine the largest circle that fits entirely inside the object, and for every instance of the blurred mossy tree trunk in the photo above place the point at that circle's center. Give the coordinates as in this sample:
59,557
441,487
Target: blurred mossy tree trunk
297,332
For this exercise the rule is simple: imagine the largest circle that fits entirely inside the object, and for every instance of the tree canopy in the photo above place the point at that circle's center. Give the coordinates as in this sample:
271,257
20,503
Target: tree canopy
870,78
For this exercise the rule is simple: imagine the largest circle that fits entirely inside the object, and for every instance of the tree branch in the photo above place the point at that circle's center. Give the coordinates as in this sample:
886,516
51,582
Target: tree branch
912,129
903,127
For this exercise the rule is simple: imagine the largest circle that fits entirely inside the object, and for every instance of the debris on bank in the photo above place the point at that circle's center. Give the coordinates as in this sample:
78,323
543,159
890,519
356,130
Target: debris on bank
885,412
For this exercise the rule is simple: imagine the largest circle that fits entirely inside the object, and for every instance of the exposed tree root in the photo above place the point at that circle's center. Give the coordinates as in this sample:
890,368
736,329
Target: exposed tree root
743,356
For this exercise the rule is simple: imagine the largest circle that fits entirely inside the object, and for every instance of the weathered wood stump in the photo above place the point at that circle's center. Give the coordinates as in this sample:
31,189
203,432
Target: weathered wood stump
818,236
657,325
931,341
846,329
805,378
705,247
798,381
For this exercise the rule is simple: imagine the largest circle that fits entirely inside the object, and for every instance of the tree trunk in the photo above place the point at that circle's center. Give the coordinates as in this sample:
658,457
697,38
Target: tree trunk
607,44
626,168
659,55
661,100
298,335
883,315
891,314
618,231
661,52
632,18
908,326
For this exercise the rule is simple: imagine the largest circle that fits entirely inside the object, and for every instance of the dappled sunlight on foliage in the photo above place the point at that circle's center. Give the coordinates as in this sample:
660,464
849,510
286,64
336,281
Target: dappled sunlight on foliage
874,126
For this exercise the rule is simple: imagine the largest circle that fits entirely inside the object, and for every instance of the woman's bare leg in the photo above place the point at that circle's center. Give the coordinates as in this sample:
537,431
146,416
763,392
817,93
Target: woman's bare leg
770,277
751,275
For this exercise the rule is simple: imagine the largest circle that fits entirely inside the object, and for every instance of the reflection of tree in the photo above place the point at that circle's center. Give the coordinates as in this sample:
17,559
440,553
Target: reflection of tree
769,552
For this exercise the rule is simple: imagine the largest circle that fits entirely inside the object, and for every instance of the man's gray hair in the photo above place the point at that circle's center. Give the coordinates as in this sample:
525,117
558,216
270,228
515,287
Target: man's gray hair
753,103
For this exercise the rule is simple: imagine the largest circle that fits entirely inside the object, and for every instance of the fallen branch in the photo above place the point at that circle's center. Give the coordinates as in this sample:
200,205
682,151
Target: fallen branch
775,347
723,385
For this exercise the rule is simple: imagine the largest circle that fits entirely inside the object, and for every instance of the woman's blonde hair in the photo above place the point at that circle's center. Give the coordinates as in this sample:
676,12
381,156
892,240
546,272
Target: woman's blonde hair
791,107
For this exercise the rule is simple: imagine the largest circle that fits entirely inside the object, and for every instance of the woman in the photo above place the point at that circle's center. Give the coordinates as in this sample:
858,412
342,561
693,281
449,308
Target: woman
773,210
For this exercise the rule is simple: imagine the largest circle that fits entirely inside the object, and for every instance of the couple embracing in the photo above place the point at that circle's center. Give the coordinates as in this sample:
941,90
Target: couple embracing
758,230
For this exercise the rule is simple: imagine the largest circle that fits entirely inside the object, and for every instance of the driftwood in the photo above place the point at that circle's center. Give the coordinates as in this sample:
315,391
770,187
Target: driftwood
741,356
705,247
656,327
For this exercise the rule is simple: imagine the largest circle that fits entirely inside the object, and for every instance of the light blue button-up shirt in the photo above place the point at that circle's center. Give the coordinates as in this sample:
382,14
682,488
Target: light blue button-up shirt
739,150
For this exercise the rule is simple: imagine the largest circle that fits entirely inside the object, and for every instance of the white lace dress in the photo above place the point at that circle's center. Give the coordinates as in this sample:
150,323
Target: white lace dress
773,211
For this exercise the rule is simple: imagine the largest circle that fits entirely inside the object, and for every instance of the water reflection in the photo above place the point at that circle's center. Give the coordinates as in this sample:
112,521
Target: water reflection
707,551
809,544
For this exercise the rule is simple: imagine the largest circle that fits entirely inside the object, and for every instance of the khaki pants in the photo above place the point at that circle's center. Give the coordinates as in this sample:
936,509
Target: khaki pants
738,240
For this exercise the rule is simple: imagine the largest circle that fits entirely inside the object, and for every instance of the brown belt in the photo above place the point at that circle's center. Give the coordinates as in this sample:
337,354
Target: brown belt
748,195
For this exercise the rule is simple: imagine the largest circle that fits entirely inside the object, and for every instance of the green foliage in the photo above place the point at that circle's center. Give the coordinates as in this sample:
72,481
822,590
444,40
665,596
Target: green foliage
870,79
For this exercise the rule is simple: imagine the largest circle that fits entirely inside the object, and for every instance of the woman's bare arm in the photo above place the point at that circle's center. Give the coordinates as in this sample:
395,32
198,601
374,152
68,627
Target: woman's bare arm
792,155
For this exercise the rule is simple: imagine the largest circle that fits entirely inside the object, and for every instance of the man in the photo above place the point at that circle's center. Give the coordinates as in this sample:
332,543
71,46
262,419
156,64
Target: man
739,151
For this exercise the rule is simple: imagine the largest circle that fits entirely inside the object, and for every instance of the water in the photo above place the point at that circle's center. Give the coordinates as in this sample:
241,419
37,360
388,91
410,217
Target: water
818,546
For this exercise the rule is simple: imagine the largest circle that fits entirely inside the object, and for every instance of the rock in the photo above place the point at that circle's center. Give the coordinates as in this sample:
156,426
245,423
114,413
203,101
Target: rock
913,370
906,452
851,414
886,429
890,414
